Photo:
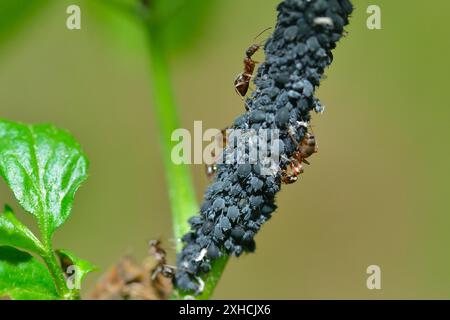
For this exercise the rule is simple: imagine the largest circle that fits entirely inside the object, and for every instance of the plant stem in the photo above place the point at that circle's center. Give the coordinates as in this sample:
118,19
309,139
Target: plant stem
57,274
213,277
50,260
179,180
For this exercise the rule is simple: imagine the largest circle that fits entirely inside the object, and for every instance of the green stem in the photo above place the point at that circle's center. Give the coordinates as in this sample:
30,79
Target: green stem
213,277
57,274
52,263
181,190
179,180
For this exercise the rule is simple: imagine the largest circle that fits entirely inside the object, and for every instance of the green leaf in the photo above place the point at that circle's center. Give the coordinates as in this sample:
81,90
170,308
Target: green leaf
44,167
14,14
83,267
23,277
14,233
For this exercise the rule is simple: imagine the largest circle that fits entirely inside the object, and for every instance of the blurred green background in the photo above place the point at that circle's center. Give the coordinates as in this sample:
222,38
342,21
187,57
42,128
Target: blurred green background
376,193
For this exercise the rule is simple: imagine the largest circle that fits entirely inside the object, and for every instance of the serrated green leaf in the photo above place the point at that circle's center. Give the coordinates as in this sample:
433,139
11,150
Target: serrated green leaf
23,277
14,233
83,267
44,167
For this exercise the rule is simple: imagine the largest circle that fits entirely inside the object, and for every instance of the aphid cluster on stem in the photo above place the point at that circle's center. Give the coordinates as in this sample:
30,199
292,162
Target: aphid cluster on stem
241,199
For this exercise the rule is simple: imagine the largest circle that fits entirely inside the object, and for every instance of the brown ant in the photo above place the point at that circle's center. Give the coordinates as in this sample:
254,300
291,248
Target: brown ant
306,148
159,254
242,81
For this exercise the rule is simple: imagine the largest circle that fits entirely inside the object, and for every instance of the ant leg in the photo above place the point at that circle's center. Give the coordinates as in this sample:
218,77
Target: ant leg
237,91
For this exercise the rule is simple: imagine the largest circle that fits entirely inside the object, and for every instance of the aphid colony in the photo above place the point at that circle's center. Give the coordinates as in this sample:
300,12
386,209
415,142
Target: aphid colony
304,149
241,199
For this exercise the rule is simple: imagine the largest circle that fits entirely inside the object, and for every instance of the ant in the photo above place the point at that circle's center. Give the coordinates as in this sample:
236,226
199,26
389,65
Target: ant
242,81
159,254
306,148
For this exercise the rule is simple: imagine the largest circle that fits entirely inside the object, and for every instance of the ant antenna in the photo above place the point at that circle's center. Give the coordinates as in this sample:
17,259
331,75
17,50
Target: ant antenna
261,33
